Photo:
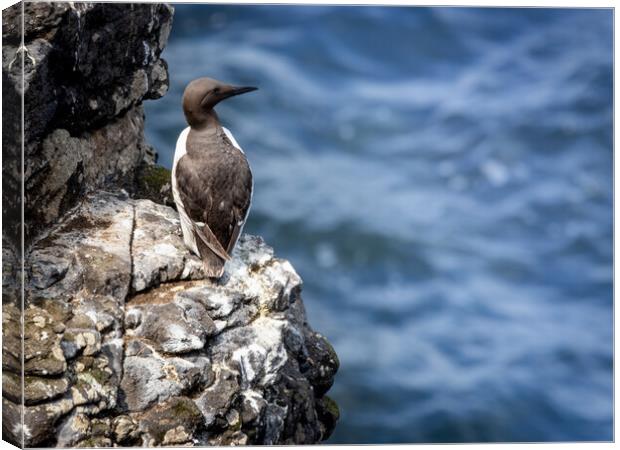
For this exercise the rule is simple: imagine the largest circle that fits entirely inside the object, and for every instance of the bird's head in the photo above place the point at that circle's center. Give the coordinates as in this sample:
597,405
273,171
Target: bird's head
202,94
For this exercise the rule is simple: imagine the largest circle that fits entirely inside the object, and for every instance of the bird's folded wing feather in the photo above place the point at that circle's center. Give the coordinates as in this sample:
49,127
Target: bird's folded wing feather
235,233
196,204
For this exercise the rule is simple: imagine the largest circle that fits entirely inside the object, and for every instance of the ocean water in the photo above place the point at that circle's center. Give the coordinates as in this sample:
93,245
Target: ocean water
442,181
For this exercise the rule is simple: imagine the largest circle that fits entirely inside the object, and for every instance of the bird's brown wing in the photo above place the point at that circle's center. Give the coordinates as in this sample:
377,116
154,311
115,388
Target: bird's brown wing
236,230
242,190
195,193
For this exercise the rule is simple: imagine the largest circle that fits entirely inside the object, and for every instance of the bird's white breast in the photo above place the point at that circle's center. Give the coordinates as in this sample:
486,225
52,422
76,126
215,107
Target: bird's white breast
186,222
232,139
180,149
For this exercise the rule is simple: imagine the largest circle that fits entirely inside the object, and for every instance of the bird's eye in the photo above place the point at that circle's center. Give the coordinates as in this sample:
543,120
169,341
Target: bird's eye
216,90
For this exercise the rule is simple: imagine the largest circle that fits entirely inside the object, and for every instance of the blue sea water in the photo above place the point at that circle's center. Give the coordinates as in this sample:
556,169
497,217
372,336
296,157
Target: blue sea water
441,178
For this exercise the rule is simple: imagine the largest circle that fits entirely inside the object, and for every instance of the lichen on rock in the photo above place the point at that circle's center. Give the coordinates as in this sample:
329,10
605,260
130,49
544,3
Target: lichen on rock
153,183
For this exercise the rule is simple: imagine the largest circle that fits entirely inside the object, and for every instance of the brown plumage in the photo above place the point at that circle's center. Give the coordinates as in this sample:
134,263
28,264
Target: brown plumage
212,181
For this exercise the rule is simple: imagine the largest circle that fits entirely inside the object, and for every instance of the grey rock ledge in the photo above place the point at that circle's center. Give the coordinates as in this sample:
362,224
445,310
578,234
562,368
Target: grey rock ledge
128,344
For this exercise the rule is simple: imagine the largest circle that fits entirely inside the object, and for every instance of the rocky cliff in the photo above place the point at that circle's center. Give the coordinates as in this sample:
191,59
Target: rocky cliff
87,67
124,341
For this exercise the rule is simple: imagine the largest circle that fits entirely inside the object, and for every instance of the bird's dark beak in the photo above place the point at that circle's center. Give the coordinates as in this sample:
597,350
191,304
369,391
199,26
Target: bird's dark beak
222,92
234,90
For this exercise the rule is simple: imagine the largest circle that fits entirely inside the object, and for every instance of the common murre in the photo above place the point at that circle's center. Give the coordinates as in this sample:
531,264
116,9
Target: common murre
211,178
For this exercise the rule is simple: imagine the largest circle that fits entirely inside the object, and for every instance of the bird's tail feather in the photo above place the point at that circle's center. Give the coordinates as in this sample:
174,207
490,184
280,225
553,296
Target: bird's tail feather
204,234
212,264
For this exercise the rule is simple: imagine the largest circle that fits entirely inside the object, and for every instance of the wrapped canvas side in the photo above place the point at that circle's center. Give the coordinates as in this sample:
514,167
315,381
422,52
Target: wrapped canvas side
13,60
